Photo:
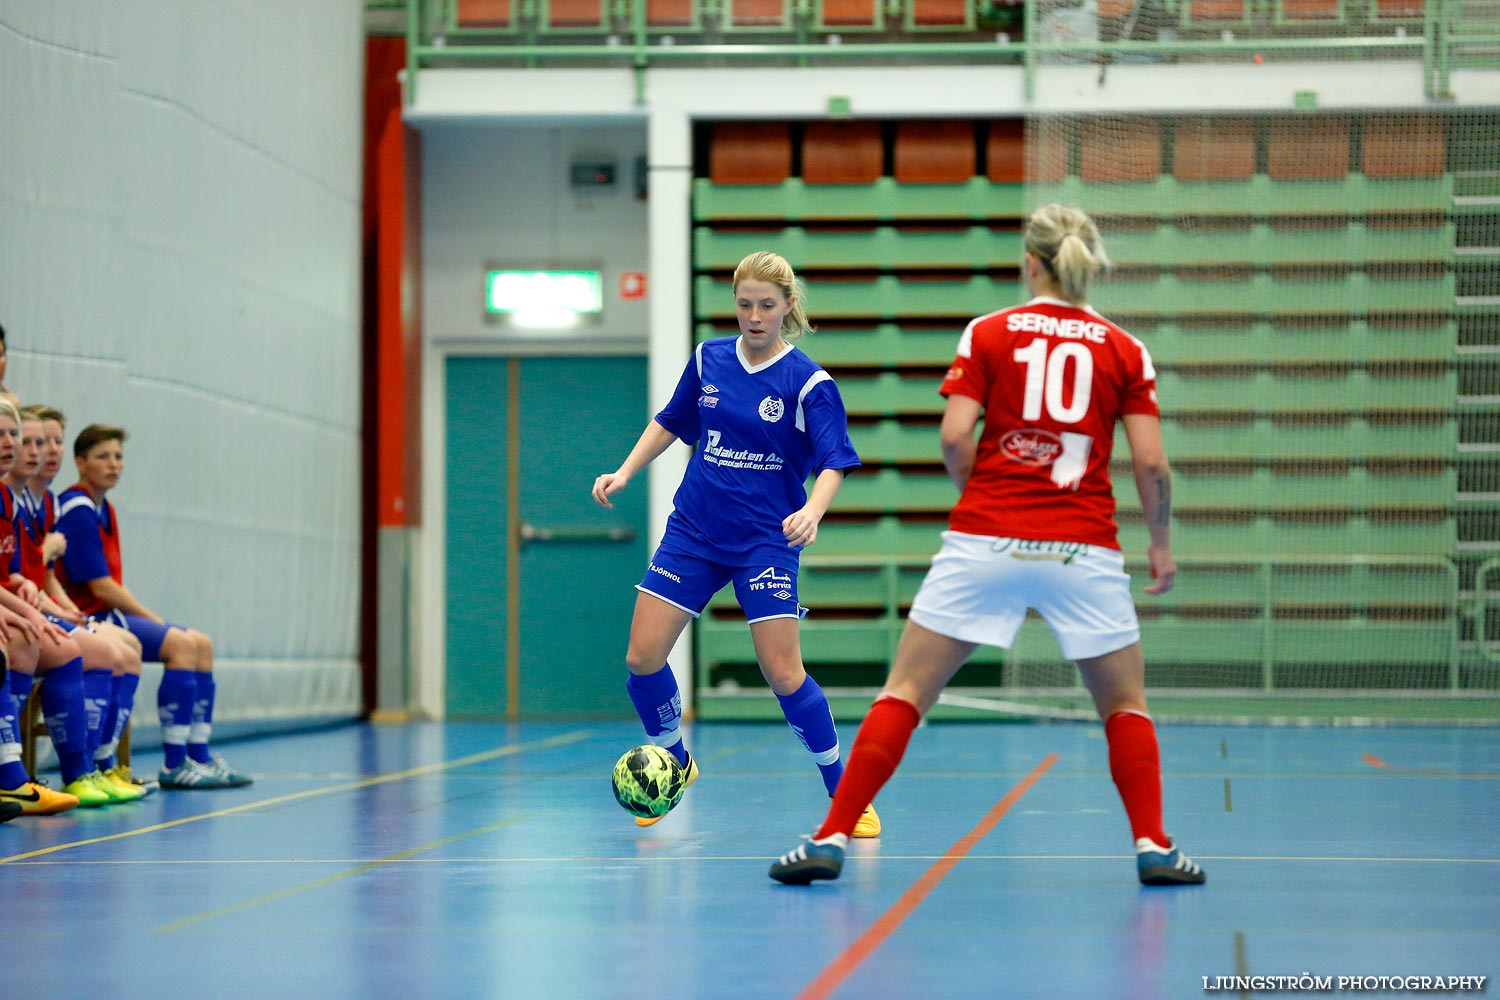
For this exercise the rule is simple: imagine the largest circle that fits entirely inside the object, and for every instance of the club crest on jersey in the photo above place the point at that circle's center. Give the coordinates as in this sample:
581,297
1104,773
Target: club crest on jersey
771,409
1031,446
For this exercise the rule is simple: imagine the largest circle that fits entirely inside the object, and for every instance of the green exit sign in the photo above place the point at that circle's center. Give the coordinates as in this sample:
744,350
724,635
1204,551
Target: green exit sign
543,294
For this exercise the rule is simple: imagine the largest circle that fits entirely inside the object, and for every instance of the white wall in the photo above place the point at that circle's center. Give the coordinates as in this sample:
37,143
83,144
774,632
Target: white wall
500,193
476,95
179,254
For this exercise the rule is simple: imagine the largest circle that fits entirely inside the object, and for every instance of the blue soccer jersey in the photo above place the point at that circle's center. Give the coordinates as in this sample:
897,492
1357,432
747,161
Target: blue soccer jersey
761,431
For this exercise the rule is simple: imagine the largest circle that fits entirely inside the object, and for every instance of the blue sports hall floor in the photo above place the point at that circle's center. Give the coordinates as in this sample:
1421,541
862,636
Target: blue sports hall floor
490,860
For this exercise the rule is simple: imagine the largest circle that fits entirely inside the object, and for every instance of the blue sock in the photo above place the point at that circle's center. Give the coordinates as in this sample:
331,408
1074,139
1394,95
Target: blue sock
658,702
116,718
12,772
97,685
203,717
174,703
806,710
20,690
67,710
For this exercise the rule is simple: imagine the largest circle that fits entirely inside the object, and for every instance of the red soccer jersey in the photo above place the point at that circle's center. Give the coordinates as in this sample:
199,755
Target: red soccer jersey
10,532
93,547
34,528
1053,379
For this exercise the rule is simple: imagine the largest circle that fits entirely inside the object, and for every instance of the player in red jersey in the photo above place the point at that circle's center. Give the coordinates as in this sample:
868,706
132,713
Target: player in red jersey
1034,527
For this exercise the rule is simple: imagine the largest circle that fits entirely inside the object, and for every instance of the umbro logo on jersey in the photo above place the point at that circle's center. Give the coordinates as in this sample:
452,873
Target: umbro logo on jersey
710,388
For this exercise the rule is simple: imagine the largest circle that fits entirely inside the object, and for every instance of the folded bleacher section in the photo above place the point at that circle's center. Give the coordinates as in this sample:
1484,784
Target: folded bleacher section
1297,280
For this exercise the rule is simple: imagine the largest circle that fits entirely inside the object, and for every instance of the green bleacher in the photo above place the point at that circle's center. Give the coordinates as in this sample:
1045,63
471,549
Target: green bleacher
1305,333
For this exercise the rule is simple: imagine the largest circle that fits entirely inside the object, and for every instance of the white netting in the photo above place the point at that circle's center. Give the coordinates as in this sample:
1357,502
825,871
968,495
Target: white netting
1318,297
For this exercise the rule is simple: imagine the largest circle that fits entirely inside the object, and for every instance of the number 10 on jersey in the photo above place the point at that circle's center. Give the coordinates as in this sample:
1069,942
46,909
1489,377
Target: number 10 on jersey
1045,372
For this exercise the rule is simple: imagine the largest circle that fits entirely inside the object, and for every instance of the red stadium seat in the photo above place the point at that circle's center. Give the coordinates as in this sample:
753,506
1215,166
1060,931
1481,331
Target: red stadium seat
1403,146
842,153
935,151
935,12
1217,10
750,153
1047,148
1310,10
757,13
1308,148
575,13
1399,8
669,13
850,13
483,13
1214,149
1005,151
1128,150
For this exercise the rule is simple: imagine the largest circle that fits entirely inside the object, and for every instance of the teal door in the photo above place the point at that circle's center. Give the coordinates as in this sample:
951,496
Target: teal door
540,578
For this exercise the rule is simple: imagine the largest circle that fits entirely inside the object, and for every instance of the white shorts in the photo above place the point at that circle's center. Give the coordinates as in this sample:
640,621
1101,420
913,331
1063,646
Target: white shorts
980,586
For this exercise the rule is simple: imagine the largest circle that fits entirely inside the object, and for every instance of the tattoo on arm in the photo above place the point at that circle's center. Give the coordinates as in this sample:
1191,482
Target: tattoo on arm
1163,500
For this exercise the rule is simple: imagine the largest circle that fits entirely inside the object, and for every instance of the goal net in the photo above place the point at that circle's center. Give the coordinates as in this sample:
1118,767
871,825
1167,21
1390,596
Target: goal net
1320,293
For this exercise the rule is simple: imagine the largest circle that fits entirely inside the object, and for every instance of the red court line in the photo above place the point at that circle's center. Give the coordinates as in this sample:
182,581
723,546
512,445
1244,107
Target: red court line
839,969
1375,761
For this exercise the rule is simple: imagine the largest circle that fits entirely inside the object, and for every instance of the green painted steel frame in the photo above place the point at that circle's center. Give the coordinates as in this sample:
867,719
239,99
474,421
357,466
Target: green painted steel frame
1481,588
892,623
1445,42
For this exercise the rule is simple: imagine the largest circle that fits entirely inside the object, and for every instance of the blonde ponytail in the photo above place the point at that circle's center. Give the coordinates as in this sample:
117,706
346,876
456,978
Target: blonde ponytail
1068,244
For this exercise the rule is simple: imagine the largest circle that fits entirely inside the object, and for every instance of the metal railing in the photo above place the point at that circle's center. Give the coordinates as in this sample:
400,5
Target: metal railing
1439,611
1447,35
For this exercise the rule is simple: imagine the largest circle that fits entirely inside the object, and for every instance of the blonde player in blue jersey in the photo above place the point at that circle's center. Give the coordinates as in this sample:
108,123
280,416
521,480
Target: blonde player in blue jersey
764,418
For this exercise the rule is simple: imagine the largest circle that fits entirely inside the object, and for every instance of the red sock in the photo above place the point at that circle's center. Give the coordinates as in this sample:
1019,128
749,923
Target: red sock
1135,764
878,747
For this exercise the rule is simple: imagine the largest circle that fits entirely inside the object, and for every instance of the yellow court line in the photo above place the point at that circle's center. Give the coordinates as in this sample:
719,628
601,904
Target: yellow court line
272,897
505,751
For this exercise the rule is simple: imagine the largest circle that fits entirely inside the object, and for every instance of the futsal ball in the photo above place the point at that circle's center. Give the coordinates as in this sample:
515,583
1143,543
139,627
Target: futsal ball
648,781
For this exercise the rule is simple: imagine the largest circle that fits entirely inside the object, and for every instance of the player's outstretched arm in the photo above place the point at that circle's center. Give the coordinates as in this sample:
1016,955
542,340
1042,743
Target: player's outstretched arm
655,439
118,596
54,590
50,607
1153,481
801,527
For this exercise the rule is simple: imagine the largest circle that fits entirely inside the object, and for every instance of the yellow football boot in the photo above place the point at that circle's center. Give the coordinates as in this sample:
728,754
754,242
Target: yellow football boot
692,776
37,799
868,824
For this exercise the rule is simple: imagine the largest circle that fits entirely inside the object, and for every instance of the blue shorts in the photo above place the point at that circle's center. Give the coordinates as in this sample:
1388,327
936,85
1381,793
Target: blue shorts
152,634
688,579
66,626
